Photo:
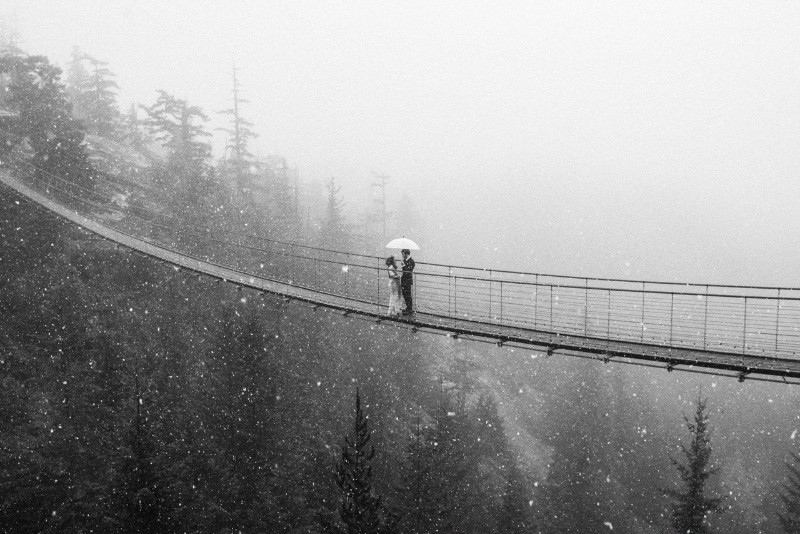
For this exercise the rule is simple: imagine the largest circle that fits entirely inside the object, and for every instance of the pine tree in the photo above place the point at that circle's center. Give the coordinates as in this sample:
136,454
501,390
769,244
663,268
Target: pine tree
418,493
77,80
10,37
93,96
513,516
131,130
239,161
45,119
440,487
362,509
237,399
179,128
575,489
790,495
692,505
186,176
141,500
334,234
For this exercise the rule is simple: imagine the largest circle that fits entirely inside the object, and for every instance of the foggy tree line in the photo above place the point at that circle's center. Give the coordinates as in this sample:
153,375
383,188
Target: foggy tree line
136,401
239,191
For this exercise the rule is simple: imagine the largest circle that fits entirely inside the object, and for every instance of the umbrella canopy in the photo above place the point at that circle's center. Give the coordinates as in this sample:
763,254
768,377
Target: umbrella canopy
402,243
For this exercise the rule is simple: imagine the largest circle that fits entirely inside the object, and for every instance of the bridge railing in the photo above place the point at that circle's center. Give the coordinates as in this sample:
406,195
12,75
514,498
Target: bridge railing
746,320
732,319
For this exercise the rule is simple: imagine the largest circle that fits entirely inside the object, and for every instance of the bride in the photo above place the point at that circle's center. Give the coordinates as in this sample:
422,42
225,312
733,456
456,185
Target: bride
395,295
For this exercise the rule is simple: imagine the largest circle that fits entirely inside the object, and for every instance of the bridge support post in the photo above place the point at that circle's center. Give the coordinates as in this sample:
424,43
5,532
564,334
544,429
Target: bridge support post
777,319
586,307
744,328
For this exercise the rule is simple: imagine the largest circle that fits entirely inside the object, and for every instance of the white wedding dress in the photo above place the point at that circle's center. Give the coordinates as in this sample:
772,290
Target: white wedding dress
395,294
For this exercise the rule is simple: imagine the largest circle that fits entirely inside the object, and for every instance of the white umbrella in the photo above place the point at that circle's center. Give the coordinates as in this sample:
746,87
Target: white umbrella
402,243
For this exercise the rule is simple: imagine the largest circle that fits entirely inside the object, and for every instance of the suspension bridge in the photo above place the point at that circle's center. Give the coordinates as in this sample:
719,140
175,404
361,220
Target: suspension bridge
748,332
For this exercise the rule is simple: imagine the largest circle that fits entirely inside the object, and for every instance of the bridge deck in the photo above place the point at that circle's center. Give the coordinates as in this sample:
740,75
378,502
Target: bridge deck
433,315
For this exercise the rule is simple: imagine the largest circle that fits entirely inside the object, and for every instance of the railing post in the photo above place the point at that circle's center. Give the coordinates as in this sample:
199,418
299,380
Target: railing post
586,307
777,320
671,313
551,307
744,328
490,295
535,299
378,283
449,290
705,322
608,317
455,296
641,338
501,301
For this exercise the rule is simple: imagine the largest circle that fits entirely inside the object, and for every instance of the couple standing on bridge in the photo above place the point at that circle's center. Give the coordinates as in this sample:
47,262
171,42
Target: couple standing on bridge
400,284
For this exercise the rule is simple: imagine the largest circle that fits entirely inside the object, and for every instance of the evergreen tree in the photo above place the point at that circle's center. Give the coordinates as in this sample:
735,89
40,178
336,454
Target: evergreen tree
440,488
333,230
576,490
104,116
790,495
239,162
237,395
513,516
9,38
77,82
279,198
45,119
362,509
692,505
418,493
131,129
512,512
142,502
186,177
91,89
179,128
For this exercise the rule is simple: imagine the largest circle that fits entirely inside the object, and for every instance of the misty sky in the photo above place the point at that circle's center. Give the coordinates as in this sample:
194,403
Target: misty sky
655,140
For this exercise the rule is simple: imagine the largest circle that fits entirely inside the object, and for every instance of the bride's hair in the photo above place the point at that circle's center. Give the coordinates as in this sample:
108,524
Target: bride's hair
390,261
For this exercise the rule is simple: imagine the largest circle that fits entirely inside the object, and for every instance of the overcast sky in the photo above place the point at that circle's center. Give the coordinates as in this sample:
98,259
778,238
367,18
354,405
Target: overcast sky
635,139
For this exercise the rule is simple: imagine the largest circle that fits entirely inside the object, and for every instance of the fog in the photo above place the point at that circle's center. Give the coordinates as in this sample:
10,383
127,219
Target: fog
626,139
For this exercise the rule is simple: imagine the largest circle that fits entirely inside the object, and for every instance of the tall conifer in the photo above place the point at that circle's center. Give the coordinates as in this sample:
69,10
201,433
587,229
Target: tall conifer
692,505
790,495
361,508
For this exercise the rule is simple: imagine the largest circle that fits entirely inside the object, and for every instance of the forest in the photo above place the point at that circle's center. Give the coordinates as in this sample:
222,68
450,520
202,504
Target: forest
136,399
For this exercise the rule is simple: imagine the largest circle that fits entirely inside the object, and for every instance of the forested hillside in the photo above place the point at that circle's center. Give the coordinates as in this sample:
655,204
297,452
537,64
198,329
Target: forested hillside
135,399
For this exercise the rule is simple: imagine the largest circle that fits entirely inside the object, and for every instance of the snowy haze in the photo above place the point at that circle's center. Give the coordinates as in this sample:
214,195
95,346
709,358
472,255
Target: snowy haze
626,139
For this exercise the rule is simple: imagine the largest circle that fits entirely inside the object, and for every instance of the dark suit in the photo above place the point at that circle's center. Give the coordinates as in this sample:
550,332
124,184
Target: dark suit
406,281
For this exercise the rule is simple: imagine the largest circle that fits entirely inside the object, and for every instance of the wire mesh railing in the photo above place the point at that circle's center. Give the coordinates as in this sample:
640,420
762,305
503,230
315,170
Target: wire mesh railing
734,320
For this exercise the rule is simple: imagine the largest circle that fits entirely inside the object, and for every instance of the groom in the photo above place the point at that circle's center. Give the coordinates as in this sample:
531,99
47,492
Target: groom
407,280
